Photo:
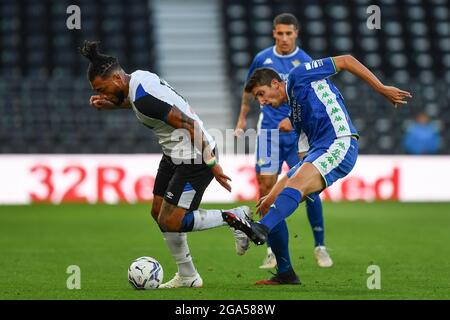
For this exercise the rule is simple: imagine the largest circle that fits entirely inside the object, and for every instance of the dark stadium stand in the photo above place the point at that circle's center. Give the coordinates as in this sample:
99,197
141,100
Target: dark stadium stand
412,50
43,87
44,92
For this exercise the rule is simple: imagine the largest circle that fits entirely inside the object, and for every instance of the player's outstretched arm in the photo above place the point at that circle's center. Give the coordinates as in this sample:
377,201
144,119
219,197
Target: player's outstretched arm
351,64
242,120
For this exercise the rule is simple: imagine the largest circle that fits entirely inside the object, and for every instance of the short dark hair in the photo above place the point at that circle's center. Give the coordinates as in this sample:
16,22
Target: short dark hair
261,77
286,18
101,64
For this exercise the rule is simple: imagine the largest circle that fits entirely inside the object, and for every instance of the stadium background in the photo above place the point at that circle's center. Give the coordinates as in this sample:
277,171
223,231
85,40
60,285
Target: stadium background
55,148
204,48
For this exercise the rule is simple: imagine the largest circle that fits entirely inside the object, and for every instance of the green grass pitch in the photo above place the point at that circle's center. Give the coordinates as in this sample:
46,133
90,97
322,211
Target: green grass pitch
409,242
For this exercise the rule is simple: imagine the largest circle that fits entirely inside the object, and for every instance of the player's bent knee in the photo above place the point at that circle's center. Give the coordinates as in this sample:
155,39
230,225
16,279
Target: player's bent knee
307,179
169,223
306,188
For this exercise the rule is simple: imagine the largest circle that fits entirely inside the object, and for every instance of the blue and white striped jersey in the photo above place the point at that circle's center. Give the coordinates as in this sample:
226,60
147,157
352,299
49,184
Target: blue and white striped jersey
317,106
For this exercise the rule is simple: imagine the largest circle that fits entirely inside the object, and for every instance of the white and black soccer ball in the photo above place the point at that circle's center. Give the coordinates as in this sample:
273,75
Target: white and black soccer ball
145,273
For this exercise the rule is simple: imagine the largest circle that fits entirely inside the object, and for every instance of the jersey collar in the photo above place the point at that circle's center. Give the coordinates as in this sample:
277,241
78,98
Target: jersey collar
286,56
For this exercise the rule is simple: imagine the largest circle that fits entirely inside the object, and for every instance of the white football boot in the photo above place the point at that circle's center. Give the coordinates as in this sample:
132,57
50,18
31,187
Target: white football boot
322,257
183,282
242,242
270,261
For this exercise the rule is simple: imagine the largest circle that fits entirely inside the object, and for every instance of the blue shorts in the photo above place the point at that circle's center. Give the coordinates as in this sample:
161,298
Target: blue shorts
273,148
334,162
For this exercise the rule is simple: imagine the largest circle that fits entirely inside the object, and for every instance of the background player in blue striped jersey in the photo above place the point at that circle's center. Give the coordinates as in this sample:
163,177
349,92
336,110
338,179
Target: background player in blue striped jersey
277,142
318,110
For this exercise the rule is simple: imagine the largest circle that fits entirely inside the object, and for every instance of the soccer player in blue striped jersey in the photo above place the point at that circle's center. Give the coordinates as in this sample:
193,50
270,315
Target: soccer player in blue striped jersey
277,142
318,110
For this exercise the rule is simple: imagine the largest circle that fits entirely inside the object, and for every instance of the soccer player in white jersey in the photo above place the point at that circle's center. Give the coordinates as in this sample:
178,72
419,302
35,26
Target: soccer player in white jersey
187,166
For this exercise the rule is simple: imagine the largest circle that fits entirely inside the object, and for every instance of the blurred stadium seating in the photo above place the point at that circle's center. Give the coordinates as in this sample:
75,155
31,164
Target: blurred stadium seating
44,91
43,87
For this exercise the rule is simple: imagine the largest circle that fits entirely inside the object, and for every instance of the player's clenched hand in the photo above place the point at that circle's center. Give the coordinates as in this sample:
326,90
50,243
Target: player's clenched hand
221,177
285,125
395,95
101,103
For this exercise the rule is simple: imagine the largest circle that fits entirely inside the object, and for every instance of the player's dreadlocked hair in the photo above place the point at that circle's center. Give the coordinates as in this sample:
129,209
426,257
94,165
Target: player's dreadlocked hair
101,64
261,77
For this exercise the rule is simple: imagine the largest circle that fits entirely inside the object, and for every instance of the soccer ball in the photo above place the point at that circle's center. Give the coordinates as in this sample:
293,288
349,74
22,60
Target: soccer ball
145,273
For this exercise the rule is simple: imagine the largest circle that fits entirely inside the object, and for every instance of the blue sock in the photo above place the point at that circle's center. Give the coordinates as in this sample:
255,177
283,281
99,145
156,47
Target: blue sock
315,217
278,240
285,204
188,222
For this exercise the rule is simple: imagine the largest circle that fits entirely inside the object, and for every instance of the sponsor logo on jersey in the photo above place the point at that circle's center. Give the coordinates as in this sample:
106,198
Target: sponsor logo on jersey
296,62
313,64
268,61
295,110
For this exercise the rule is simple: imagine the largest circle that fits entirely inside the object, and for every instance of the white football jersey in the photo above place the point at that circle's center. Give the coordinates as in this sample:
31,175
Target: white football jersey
151,98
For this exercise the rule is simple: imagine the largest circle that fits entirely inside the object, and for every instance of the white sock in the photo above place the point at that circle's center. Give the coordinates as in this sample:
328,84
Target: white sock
207,219
178,246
